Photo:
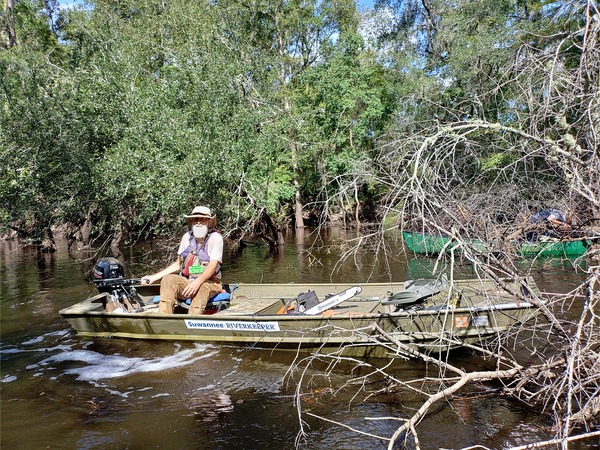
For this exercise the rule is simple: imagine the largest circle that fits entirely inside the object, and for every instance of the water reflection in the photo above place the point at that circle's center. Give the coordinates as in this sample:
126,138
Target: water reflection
211,407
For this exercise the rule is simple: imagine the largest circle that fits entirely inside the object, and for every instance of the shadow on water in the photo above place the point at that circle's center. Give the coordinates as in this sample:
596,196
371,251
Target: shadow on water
61,390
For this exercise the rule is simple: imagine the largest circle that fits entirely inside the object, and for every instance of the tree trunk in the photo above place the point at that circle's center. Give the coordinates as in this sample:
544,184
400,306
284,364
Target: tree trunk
82,236
9,35
49,244
299,220
115,243
276,236
283,80
298,205
357,210
86,231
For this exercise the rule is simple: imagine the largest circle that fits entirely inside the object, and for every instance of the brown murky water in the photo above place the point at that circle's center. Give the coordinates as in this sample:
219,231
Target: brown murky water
62,391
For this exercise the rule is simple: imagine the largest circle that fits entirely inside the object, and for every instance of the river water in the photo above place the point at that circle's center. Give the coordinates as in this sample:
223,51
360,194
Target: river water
62,391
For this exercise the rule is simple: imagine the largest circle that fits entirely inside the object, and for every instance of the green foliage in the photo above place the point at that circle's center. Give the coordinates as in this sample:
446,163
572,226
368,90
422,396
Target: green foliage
131,112
497,161
342,104
43,167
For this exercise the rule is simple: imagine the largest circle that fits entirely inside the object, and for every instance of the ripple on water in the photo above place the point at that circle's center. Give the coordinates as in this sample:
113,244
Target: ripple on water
96,366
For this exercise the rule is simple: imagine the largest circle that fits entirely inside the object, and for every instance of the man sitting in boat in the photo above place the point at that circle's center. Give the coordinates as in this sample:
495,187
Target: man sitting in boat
200,256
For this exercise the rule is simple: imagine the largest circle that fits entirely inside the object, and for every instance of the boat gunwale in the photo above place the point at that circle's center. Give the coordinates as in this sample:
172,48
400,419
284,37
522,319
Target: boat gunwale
429,311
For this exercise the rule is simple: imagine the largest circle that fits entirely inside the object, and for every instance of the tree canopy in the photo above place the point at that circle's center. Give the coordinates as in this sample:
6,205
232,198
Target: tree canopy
117,117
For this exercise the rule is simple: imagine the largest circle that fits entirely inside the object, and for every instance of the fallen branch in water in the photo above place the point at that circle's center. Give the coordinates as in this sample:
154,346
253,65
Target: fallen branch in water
564,381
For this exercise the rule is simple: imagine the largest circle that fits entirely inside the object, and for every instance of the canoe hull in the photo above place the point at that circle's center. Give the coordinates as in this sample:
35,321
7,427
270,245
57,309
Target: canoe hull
556,249
426,244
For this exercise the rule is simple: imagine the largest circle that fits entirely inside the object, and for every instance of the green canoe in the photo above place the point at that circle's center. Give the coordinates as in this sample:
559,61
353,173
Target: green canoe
428,244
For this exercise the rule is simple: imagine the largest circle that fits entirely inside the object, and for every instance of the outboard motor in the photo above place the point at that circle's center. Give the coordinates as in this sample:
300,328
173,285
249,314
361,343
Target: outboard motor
109,277
107,273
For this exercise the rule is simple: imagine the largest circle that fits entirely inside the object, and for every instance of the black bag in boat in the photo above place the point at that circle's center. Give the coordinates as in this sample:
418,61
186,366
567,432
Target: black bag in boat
304,301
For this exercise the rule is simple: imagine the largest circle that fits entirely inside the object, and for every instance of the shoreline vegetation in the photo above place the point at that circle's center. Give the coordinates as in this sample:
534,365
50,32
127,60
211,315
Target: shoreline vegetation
461,119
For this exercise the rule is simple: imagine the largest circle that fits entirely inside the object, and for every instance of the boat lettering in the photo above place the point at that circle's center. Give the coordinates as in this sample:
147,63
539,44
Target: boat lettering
231,326
480,321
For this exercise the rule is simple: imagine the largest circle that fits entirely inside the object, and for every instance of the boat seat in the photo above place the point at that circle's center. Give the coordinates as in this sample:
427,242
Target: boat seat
415,291
217,302
402,298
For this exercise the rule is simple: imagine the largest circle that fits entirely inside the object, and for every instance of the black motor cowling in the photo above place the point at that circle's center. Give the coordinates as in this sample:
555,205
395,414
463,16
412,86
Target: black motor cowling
109,278
108,269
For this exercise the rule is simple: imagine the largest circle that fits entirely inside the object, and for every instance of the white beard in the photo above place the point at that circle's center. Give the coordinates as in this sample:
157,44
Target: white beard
200,231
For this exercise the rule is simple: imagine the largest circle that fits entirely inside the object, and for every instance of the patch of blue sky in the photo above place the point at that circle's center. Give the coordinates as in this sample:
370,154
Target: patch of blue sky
365,4
68,4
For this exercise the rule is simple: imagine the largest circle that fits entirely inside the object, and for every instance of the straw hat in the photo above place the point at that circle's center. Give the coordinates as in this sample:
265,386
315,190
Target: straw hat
200,211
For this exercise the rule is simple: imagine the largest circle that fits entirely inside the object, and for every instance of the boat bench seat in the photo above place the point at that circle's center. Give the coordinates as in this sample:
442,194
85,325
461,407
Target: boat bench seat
270,305
245,305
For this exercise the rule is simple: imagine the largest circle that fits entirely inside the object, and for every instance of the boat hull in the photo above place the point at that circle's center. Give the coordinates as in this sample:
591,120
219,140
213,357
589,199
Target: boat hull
361,326
556,249
426,244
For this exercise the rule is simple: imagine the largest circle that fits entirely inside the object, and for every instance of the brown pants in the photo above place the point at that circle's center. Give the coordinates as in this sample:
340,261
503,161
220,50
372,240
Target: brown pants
172,286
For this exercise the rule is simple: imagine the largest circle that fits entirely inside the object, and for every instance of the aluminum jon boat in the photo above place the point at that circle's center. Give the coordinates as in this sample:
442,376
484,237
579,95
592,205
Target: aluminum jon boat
358,320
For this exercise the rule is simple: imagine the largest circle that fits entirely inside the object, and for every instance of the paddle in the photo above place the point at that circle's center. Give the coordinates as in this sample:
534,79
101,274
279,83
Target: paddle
556,240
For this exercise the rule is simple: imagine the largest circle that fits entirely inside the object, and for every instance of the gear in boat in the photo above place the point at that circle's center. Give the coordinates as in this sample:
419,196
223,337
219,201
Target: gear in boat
415,291
109,278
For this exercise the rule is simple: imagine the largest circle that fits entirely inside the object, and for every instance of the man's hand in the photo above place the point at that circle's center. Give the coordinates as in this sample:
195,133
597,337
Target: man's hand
148,279
191,289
